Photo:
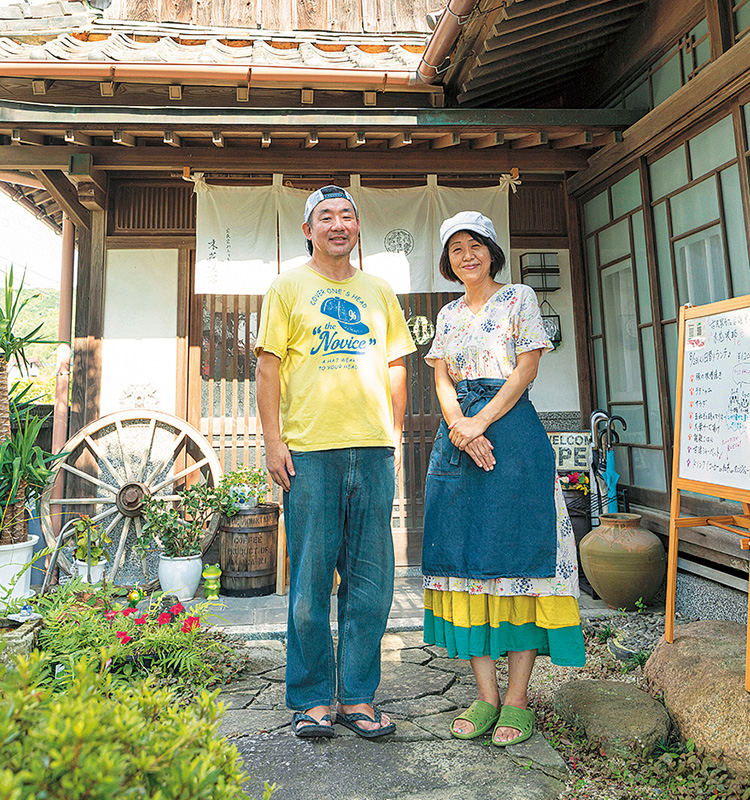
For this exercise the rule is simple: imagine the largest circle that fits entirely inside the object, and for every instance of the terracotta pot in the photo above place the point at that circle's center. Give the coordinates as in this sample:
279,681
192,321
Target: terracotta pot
623,561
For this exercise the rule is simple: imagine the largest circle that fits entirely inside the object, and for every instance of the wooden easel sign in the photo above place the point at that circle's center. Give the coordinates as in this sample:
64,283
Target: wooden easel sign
712,426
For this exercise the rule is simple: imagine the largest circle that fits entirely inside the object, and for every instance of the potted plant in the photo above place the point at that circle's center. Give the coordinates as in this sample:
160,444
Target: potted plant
177,533
24,472
248,534
90,556
242,489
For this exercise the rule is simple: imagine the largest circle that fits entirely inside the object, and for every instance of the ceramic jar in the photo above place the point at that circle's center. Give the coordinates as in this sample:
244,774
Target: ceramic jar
180,576
97,571
623,561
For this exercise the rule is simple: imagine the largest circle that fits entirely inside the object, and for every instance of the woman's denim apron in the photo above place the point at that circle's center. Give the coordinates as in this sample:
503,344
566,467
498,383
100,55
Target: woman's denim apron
496,524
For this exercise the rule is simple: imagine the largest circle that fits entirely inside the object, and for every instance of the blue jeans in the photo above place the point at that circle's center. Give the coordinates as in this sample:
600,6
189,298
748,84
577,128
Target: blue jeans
338,515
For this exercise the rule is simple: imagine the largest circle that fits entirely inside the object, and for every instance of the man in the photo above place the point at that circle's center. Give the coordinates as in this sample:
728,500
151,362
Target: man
331,347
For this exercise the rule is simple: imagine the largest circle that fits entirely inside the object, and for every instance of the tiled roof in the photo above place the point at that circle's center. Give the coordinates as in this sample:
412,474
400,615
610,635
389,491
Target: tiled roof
121,47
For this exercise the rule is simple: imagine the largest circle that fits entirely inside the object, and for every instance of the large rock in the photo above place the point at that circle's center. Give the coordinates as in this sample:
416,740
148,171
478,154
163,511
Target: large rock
701,676
619,715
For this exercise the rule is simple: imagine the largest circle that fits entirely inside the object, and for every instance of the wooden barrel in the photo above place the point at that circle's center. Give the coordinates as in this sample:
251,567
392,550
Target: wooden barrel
247,551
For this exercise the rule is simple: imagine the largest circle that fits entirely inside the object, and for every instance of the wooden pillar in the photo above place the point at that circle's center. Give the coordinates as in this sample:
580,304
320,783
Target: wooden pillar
720,27
578,284
89,324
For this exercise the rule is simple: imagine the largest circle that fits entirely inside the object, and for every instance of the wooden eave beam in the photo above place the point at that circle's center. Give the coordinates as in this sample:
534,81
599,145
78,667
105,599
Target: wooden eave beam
207,159
614,24
400,140
65,195
532,140
494,139
21,136
585,138
356,140
90,182
546,22
447,140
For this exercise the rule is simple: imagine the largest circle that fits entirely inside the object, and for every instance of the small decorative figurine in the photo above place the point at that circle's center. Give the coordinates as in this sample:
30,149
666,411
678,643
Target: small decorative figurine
135,595
211,585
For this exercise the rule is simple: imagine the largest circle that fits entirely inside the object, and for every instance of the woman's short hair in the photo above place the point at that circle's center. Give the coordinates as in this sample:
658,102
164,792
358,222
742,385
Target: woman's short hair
497,257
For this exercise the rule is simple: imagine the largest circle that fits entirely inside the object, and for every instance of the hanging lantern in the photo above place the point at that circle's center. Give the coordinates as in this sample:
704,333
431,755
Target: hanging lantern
551,322
540,271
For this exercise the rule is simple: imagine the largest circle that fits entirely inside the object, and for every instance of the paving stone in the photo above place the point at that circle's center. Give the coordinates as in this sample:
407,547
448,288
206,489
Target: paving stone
236,700
345,768
11,12
462,694
264,655
424,706
401,640
250,684
537,753
437,724
458,666
278,674
402,681
249,723
434,650
273,697
413,656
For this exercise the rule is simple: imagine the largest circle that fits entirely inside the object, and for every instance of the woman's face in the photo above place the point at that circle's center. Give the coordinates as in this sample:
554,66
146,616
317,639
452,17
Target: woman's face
470,259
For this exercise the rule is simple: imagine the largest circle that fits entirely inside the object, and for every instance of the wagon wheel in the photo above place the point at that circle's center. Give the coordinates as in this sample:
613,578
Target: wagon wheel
112,465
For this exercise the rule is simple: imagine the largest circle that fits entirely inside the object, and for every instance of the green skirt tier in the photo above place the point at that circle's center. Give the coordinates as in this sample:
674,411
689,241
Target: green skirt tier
479,625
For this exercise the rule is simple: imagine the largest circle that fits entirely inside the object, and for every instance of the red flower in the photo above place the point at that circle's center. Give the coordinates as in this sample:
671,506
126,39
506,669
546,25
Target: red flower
164,618
110,615
190,623
123,637
126,612
140,620
177,608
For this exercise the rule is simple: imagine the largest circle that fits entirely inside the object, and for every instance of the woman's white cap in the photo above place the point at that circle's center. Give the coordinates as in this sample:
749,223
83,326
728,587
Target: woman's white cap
467,221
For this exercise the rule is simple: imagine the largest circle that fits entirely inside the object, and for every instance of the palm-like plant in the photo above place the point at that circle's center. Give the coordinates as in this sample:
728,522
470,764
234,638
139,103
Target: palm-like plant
12,344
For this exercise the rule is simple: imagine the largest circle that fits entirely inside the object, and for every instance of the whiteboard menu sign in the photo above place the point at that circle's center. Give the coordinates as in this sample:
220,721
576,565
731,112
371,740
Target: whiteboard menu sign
715,429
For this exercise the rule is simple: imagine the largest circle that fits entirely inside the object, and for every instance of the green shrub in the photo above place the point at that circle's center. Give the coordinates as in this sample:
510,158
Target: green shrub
167,643
102,743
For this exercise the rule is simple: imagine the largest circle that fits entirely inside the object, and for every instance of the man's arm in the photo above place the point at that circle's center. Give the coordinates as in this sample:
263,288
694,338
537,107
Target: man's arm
397,370
268,390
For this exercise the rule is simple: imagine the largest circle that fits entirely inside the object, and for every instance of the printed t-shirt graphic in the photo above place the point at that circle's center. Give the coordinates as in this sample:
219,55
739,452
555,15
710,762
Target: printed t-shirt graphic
335,340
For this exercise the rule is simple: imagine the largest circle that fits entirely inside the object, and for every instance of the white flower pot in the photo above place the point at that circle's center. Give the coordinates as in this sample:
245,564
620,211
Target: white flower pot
97,571
180,576
13,558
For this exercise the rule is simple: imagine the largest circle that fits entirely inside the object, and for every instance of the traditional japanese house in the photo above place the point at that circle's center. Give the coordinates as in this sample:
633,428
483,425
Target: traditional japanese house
624,120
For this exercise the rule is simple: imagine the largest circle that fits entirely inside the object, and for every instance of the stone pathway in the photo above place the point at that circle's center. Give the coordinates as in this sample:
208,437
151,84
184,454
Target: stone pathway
421,689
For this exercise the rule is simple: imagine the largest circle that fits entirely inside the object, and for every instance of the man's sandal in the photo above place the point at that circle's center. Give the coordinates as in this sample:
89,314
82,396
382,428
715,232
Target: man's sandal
481,715
313,727
522,719
350,721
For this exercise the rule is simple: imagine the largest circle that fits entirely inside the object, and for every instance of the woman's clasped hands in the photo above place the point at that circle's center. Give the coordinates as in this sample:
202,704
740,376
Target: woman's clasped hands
467,434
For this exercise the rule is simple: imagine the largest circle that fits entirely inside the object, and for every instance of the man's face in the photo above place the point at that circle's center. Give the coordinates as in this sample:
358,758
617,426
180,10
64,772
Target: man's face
333,228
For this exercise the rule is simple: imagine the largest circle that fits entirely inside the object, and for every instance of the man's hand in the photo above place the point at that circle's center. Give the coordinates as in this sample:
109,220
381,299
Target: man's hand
480,450
279,463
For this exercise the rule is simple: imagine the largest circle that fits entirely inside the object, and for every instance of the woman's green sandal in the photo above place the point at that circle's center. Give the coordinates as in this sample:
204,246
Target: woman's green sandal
522,719
481,715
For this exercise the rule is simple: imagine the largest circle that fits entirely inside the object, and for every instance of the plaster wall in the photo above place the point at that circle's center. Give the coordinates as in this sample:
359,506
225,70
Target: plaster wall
139,347
556,386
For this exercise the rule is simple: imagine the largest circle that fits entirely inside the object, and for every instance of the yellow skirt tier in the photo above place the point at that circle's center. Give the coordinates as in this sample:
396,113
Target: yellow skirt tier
479,624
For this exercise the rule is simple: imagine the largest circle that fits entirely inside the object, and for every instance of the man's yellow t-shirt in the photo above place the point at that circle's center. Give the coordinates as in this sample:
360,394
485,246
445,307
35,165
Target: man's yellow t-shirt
335,340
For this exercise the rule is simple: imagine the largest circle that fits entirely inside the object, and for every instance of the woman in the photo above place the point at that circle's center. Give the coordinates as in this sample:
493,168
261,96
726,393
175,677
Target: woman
498,554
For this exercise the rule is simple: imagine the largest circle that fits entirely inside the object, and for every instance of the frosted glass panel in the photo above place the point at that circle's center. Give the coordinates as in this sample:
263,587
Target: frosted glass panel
622,462
664,258
601,385
742,18
666,80
735,230
633,416
648,469
641,268
701,273
713,147
668,173
596,314
694,207
626,194
596,212
621,331
639,97
670,344
652,385
614,242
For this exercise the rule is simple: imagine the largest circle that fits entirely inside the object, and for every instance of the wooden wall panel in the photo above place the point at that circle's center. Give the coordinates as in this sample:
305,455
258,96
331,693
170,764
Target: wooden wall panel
352,16
538,209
